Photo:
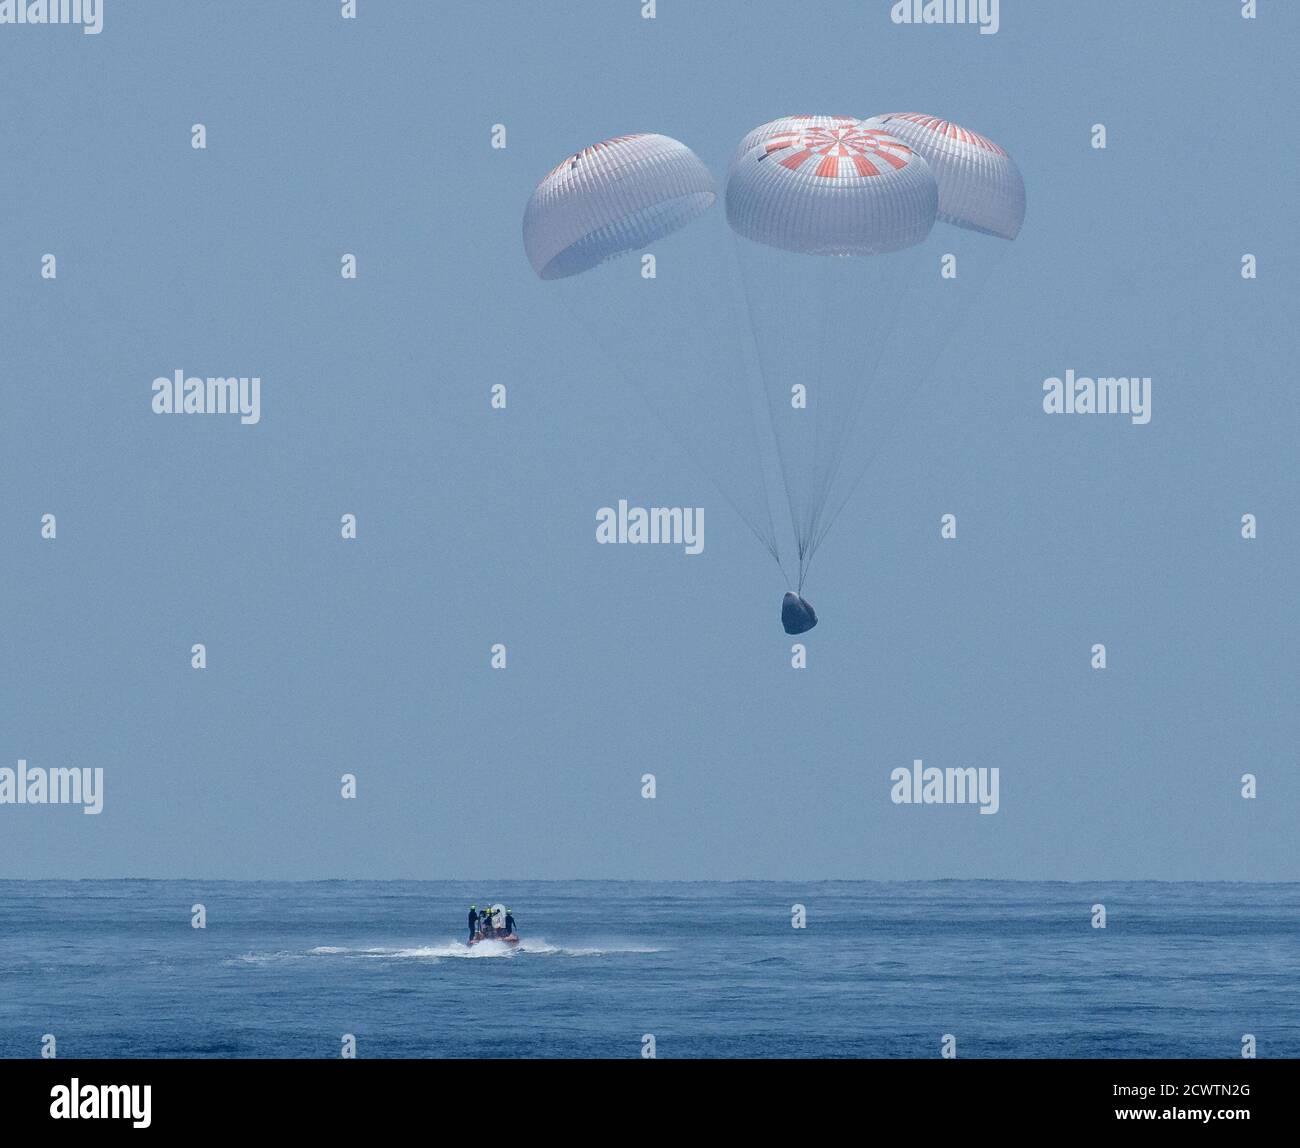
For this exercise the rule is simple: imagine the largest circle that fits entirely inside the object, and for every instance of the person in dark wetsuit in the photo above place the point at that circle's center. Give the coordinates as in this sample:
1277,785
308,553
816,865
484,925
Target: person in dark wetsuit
510,924
473,921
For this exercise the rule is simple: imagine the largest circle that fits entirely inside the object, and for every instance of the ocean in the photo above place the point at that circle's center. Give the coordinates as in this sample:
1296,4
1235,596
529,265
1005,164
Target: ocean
1008,968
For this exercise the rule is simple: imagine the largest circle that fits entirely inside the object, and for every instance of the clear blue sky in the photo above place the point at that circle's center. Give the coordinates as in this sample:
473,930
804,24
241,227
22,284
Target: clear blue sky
372,137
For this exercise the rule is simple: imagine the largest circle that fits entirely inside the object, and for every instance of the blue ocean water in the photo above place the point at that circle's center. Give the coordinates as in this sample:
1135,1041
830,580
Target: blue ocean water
1012,969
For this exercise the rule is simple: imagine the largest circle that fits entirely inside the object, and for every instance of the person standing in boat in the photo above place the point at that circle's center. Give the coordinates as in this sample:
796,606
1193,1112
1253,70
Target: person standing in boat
510,924
473,921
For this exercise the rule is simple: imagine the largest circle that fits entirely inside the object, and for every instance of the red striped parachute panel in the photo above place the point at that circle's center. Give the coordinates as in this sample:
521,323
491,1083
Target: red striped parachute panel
980,186
829,185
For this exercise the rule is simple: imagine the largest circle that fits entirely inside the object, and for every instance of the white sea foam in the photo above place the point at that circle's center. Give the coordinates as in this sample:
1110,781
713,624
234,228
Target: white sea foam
263,958
458,950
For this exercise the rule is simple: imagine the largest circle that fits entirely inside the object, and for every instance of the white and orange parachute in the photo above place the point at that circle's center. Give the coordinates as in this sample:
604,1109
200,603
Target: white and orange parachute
826,185
980,187
828,218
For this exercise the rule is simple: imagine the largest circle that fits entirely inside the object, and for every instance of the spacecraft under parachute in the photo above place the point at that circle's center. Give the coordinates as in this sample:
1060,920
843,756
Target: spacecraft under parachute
827,217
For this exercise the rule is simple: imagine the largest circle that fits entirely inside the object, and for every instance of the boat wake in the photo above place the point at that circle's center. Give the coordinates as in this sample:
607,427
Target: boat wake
458,950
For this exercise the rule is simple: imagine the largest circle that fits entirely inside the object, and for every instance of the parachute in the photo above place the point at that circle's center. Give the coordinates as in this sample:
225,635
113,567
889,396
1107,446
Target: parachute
782,347
826,212
618,196
830,190
675,345
981,208
787,126
980,187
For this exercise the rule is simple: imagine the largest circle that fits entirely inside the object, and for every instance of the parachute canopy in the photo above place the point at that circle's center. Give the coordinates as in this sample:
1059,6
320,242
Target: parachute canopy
614,197
980,186
828,185
846,330
797,614
787,126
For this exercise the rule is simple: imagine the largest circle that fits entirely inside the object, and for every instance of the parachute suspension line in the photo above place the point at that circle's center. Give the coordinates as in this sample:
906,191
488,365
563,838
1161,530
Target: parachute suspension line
889,291
823,402
846,385
807,201
921,378
827,443
821,395
890,276
764,382
768,539
771,541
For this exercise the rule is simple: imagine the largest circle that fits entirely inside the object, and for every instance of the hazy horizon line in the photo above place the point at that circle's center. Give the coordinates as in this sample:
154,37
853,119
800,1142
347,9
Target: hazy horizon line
692,880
